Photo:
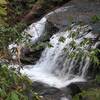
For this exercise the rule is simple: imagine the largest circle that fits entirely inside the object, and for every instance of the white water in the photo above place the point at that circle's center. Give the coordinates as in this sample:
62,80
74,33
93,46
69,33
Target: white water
64,98
37,29
55,68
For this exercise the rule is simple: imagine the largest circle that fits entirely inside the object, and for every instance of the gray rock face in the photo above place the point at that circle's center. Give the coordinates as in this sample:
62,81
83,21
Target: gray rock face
50,29
79,11
52,93
30,57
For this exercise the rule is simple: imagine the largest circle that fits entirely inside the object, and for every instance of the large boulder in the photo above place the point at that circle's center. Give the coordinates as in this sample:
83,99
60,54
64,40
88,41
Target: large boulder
51,93
75,11
78,11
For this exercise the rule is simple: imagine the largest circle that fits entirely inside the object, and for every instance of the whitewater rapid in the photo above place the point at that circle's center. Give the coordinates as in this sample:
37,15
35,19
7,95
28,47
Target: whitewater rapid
54,67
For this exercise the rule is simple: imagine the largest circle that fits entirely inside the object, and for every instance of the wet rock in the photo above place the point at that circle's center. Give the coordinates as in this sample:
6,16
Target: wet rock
49,30
74,89
54,94
39,87
50,93
81,12
66,93
30,57
77,11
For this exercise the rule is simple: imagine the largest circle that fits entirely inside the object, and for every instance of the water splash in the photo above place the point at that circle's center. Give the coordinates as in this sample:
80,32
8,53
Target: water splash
55,67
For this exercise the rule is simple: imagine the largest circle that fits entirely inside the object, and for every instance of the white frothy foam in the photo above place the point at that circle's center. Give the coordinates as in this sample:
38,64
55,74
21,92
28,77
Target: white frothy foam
54,68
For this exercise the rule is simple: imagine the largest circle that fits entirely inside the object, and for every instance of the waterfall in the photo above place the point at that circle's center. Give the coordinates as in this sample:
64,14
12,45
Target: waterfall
36,29
55,67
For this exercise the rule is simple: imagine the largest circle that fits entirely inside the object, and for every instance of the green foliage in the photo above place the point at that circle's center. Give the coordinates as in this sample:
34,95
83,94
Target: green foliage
82,49
93,55
13,96
86,41
18,7
76,97
97,79
40,45
62,39
9,35
91,94
49,45
95,18
14,86
74,34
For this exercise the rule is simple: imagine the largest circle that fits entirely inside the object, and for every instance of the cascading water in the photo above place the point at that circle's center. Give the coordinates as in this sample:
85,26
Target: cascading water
37,29
55,67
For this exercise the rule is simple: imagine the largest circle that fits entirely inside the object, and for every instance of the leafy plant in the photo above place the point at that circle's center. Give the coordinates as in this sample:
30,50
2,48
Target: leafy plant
97,79
9,35
62,39
49,45
90,94
95,18
14,86
83,48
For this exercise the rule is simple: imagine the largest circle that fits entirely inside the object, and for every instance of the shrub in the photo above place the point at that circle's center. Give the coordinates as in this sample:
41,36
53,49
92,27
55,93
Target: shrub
14,86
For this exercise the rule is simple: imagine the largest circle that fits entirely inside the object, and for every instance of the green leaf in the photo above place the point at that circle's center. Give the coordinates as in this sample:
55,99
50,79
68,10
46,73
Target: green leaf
14,96
73,44
49,45
62,39
2,93
95,18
